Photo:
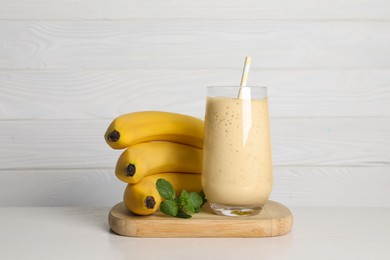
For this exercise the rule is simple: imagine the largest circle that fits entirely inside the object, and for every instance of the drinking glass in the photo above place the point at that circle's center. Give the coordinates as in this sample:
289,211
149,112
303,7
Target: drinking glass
237,165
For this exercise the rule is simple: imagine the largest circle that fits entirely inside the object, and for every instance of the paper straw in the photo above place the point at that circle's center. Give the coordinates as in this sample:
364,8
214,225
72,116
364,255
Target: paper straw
245,73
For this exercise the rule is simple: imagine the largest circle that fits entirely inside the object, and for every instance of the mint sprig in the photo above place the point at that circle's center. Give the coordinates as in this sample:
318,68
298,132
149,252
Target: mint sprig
183,206
169,207
165,189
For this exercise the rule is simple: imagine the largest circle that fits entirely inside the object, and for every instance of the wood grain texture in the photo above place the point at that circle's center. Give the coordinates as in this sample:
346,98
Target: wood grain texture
96,94
274,219
48,188
201,9
293,186
332,186
204,44
75,144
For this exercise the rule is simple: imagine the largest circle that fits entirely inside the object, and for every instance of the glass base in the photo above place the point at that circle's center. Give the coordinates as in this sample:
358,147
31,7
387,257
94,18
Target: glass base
235,211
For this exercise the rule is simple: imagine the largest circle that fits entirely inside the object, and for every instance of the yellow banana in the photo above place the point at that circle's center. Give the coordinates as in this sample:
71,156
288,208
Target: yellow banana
143,198
148,158
139,127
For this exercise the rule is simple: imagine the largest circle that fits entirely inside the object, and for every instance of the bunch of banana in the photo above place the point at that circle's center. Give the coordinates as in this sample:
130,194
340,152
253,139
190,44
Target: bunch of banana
158,145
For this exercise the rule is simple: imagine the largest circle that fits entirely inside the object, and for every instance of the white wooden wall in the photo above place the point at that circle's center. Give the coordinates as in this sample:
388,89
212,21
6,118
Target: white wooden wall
68,67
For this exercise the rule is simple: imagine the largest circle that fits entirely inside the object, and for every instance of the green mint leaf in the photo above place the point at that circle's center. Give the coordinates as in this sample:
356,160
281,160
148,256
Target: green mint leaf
188,209
169,207
185,203
165,189
179,206
184,197
194,199
182,214
203,196
177,200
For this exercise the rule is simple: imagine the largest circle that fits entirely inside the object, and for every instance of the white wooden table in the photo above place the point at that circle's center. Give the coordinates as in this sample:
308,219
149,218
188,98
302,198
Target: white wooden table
83,233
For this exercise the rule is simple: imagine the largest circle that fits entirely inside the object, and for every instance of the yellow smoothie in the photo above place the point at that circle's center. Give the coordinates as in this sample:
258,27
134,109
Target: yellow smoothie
237,164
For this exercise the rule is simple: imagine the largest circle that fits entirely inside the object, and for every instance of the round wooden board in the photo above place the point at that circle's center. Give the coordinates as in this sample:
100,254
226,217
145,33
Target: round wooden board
275,219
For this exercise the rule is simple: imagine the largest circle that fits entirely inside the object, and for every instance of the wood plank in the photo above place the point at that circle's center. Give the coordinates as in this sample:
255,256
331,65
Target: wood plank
91,187
75,144
95,94
331,141
274,220
205,44
201,9
332,186
293,186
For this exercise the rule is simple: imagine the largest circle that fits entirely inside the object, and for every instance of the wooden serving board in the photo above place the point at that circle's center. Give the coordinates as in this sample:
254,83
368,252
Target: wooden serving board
274,220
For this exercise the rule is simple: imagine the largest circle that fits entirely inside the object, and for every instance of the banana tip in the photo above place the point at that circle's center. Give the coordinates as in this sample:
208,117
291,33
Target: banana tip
113,136
150,202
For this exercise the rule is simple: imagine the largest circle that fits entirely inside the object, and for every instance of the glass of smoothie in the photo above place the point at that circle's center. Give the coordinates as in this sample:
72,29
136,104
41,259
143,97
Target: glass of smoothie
237,166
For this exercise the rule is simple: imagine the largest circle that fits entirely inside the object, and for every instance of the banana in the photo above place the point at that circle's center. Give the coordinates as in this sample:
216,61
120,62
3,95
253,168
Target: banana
148,158
143,198
139,127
